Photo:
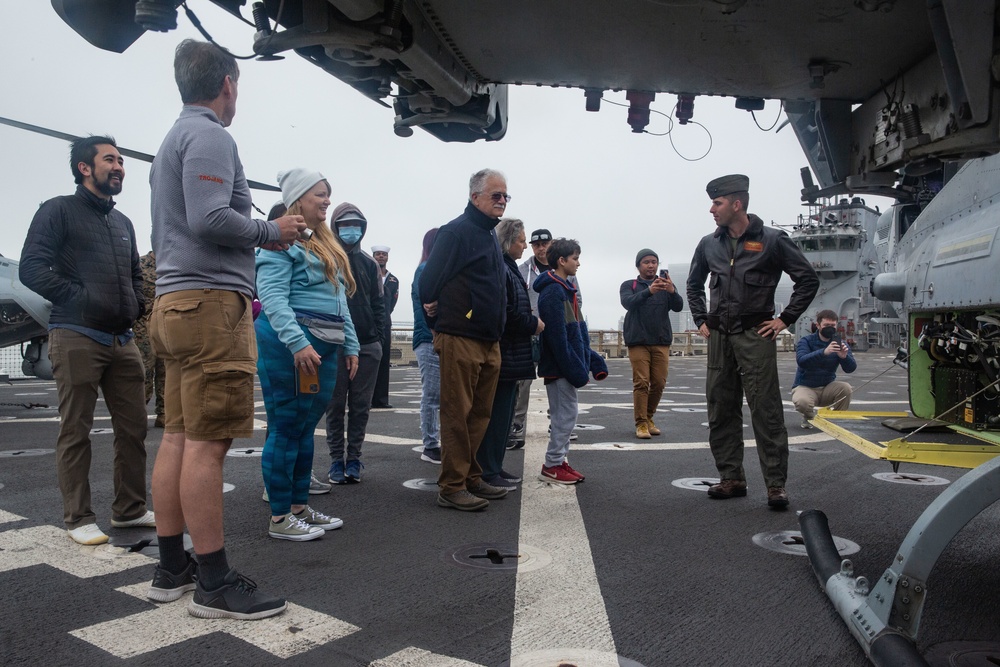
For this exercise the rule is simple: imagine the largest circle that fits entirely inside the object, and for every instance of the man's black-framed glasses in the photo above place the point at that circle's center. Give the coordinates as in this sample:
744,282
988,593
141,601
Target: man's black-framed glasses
497,196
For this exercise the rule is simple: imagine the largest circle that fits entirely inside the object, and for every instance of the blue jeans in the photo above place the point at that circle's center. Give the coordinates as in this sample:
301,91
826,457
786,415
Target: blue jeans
430,395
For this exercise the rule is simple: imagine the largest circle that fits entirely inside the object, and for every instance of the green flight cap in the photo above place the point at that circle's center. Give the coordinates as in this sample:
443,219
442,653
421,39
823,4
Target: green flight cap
727,185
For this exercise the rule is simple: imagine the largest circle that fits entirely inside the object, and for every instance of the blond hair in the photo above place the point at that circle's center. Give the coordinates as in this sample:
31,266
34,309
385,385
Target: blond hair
325,247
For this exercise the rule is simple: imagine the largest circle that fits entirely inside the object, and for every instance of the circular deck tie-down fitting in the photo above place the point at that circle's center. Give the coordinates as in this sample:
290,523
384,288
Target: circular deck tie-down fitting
422,484
963,654
790,542
913,479
26,452
245,452
497,557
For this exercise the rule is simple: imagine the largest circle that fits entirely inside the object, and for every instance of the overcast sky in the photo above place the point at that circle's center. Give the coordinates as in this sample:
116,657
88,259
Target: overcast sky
579,174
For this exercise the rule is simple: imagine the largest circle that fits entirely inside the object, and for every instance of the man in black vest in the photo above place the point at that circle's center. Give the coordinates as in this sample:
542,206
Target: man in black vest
80,254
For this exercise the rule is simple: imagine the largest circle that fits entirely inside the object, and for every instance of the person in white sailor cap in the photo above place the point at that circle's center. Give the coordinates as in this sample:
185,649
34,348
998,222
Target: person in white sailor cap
390,294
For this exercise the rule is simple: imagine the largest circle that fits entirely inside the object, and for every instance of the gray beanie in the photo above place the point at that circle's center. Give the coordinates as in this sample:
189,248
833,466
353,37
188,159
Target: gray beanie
645,252
296,182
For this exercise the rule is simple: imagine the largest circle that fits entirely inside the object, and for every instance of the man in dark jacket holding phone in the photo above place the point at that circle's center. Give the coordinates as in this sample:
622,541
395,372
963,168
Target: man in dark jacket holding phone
648,298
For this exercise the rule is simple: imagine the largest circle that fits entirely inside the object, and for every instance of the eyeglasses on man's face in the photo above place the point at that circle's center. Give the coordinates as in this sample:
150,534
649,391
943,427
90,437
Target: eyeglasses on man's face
497,196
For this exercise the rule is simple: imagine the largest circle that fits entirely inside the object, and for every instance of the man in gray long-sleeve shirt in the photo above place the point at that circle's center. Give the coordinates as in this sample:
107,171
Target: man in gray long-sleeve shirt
202,327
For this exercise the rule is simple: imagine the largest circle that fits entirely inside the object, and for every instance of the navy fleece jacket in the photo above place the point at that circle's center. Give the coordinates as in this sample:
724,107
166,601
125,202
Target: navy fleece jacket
566,349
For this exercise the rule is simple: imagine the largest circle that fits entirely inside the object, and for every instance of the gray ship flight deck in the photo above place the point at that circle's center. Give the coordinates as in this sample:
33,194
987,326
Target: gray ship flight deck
635,566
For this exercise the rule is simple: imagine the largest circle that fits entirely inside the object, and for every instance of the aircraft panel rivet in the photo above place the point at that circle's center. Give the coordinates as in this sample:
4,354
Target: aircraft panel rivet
918,589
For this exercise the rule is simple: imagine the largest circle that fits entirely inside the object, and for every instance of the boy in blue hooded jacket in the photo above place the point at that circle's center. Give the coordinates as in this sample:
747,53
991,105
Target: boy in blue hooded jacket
566,358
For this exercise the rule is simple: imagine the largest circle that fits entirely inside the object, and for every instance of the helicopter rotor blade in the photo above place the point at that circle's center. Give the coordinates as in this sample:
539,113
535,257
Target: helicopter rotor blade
127,152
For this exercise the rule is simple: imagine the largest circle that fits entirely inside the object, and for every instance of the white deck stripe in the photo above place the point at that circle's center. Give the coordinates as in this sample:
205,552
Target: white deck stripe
8,517
52,546
652,445
417,657
560,605
296,631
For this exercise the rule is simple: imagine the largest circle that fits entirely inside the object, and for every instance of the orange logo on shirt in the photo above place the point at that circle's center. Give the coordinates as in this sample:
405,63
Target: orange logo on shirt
753,246
214,179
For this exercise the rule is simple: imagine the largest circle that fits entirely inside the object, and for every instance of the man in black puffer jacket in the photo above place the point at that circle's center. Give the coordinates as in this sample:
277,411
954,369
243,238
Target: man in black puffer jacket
516,362
81,255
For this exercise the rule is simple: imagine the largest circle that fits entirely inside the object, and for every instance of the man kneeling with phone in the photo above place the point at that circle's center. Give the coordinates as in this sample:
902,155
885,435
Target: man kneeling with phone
818,356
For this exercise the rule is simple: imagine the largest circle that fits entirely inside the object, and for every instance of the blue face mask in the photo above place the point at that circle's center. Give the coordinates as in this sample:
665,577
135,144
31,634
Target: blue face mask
349,235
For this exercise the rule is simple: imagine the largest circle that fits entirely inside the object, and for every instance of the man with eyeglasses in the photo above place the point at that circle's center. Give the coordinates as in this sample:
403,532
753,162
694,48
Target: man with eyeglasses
463,291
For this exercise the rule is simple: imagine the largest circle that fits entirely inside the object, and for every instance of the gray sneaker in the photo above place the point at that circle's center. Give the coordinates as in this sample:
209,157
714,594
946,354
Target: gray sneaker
318,519
316,487
294,529
483,489
462,500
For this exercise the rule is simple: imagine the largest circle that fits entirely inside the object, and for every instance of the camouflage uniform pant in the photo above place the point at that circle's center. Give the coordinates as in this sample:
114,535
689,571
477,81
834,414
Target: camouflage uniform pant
155,373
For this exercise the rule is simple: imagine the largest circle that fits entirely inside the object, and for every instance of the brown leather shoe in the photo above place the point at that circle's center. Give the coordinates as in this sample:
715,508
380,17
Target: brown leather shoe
642,431
728,488
653,430
777,497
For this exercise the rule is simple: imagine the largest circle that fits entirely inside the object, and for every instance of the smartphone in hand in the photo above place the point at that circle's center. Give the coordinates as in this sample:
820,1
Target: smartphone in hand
307,384
664,273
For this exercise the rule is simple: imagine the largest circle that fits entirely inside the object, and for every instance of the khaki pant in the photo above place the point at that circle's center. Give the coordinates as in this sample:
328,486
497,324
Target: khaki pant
81,366
207,342
649,376
836,395
470,369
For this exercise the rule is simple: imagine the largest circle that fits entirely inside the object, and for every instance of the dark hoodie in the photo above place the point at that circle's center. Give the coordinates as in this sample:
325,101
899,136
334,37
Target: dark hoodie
566,349
367,305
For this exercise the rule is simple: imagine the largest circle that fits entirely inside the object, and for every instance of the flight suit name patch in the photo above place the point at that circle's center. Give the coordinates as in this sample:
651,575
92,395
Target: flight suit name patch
753,246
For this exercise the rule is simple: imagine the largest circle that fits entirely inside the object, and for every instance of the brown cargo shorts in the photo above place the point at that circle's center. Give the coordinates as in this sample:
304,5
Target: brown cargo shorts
206,340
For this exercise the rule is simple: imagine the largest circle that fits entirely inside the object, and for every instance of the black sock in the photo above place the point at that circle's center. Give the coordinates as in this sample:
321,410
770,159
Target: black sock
212,569
172,556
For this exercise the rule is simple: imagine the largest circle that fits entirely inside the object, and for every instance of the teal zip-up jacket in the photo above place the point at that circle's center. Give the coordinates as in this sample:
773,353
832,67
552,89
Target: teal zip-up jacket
295,280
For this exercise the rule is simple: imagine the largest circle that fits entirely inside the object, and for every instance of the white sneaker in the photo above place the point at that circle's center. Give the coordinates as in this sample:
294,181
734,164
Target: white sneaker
147,520
805,421
88,534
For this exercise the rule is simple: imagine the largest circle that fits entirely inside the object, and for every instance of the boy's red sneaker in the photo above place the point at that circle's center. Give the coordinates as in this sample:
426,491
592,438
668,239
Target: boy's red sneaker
558,474
565,466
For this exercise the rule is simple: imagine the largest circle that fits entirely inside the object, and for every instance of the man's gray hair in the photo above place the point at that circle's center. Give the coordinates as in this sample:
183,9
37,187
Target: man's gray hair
200,69
509,230
478,180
